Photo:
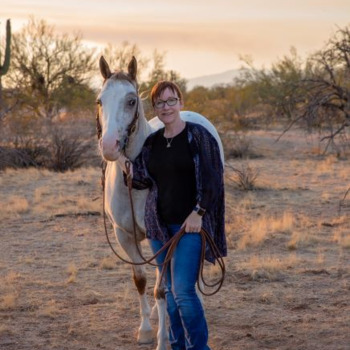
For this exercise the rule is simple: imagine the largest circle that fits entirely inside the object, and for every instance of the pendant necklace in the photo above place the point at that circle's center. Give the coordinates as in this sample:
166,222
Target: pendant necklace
168,142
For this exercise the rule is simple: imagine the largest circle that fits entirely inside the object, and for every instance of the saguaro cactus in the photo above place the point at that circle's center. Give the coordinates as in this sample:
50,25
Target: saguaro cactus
5,66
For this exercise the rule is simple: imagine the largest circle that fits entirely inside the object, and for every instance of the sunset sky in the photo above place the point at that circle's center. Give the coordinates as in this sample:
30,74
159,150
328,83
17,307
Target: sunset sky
199,37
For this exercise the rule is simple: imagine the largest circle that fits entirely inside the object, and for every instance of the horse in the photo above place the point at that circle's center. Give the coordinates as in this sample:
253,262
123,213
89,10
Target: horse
123,126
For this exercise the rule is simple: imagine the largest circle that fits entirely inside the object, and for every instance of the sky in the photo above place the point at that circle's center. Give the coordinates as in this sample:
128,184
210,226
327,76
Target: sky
198,37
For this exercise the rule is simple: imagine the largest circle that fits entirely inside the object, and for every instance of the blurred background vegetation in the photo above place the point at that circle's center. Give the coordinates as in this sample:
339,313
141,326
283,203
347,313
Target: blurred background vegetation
49,82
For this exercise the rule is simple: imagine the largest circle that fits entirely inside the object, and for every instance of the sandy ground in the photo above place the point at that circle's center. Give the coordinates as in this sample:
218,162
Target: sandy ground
288,270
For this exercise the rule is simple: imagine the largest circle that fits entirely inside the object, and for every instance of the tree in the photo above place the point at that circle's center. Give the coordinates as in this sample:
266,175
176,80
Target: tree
279,87
119,57
49,71
327,98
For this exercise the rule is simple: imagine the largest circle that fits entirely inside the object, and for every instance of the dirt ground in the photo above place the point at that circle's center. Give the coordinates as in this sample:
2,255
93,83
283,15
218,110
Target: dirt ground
288,270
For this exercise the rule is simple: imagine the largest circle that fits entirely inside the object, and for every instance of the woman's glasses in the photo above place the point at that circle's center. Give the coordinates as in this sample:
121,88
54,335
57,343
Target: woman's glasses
172,101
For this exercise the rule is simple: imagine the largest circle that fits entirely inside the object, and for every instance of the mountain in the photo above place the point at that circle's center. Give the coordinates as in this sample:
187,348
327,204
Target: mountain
213,79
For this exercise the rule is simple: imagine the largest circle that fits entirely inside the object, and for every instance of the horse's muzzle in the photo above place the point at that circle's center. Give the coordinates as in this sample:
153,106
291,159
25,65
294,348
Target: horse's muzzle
110,150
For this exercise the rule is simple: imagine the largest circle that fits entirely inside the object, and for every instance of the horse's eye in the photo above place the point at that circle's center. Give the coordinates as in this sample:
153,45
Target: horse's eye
99,102
132,102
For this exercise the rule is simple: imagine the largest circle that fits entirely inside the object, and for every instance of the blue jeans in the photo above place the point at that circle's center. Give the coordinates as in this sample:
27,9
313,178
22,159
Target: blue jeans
188,327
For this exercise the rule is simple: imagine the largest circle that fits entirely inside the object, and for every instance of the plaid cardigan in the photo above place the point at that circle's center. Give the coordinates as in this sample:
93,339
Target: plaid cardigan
209,187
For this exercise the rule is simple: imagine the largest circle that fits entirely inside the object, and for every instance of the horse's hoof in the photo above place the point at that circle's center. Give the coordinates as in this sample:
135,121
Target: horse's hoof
145,337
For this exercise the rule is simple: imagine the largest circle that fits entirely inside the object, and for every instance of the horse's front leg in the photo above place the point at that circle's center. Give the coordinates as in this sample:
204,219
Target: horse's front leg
145,332
159,294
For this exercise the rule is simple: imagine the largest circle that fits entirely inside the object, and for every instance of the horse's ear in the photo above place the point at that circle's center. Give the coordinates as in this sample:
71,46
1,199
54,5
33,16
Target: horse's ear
132,68
104,68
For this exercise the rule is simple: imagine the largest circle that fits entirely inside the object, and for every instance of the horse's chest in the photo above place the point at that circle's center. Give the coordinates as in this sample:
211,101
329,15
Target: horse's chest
118,204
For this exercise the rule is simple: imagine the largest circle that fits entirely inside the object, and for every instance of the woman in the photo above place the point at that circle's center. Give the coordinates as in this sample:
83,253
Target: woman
181,166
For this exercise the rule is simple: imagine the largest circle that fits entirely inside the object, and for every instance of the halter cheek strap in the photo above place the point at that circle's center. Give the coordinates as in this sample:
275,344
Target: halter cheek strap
132,125
98,125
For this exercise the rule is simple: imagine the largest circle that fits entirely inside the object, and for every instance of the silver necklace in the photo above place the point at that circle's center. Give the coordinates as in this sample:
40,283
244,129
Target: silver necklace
168,142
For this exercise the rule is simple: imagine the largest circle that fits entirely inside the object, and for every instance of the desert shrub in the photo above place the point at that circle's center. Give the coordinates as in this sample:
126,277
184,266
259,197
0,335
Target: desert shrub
22,152
67,152
58,150
245,177
237,146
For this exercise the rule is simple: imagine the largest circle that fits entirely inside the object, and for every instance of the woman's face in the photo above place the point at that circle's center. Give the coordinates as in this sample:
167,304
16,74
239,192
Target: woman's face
168,114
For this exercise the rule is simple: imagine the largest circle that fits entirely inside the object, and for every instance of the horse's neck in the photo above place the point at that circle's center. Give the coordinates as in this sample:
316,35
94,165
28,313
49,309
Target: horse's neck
138,138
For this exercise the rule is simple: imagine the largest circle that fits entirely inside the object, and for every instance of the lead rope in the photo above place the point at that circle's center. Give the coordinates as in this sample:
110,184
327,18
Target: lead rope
170,245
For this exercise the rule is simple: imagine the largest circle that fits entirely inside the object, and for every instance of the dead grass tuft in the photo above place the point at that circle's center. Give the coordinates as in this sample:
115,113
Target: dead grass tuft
255,234
284,224
5,330
40,193
342,237
258,230
12,277
50,310
9,301
270,268
301,239
87,204
327,165
14,205
107,263
73,271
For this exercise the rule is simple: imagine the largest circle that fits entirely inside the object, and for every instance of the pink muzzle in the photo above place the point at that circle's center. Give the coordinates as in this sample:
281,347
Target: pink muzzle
110,148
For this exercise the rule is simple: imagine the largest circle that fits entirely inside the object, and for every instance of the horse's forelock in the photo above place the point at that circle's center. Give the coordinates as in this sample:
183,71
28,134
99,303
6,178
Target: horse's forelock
120,75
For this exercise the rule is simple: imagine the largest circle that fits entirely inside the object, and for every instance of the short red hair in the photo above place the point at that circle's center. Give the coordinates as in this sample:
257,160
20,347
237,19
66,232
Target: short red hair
163,85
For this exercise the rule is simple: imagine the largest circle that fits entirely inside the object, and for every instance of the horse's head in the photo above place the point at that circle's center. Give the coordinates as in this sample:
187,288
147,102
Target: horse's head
118,104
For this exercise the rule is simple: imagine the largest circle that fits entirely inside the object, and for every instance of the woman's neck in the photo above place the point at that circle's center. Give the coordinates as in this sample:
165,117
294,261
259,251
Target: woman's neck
171,130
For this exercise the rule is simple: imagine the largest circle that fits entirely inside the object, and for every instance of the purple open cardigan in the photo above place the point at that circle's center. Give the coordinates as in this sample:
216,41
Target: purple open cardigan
209,186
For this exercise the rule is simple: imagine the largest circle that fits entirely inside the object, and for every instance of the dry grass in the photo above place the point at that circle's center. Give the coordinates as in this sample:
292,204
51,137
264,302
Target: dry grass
12,277
327,165
342,237
72,271
270,268
107,263
284,224
64,289
41,194
50,310
258,230
14,206
301,239
8,301
46,193
5,330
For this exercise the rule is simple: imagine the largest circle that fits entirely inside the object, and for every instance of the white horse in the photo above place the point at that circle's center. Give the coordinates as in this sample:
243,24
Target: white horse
124,126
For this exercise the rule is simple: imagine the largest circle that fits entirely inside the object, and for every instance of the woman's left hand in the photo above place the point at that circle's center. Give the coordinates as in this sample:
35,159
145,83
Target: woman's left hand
193,223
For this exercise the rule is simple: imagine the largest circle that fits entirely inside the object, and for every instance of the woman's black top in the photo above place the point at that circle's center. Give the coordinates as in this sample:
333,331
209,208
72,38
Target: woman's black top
172,168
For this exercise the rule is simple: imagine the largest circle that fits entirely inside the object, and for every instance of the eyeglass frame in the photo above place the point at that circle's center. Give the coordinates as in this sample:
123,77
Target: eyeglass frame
175,99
